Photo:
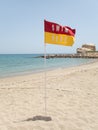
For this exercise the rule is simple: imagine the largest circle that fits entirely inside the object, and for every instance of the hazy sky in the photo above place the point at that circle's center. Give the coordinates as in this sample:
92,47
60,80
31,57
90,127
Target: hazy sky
22,24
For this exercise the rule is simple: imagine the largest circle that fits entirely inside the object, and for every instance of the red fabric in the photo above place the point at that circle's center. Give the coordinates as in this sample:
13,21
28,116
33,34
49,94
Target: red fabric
58,29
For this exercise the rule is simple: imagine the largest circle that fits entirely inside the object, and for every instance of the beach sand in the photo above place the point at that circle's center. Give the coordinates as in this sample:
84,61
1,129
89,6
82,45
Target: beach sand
71,98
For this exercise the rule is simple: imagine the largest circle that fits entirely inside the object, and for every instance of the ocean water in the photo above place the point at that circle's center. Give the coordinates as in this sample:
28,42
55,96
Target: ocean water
17,64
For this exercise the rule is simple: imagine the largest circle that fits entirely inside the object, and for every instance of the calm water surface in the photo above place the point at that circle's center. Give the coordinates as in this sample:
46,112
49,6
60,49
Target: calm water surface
16,64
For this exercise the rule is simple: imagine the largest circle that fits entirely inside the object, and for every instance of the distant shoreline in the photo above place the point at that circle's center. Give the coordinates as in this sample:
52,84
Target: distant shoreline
14,65
75,55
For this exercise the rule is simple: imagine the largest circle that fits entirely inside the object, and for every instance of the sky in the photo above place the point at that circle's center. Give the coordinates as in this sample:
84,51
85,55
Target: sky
22,24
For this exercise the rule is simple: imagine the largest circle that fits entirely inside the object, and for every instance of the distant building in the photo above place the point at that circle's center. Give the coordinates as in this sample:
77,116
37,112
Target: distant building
86,48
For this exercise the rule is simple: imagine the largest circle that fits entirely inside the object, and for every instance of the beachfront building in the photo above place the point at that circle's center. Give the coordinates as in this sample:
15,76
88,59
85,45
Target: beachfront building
86,48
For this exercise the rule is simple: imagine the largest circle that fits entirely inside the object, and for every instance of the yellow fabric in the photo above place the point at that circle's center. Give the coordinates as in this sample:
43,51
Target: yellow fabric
58,39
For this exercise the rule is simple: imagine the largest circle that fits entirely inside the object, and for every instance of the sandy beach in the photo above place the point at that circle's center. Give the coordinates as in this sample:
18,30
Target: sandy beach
71,98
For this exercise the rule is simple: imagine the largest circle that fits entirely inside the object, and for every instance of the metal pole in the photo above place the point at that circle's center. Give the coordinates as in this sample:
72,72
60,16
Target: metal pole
45,87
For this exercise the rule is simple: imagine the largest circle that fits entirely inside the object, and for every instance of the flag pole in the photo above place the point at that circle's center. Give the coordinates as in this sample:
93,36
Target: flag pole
45,87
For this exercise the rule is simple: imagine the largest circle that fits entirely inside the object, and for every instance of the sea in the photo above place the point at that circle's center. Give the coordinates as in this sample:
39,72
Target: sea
20,64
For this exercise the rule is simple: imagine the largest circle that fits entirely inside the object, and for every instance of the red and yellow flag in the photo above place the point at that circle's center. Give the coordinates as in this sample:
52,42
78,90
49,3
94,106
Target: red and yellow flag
57,34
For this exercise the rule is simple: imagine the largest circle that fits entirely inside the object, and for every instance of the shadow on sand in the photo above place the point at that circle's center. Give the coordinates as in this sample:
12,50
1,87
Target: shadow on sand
41,118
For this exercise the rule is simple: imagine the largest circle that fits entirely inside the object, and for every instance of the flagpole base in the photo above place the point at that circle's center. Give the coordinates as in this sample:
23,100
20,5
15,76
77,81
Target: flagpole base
39,117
